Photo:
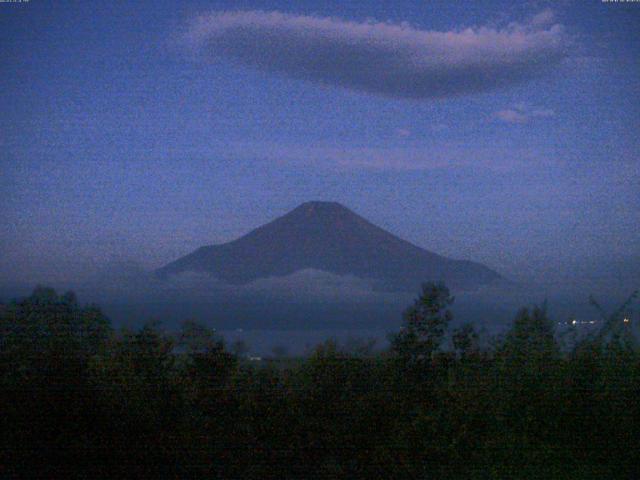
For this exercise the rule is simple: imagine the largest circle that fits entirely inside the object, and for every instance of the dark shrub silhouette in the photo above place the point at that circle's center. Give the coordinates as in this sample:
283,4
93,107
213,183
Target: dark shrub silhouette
80,400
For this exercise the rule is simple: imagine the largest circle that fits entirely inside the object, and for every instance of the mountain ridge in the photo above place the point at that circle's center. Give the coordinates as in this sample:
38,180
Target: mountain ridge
330,237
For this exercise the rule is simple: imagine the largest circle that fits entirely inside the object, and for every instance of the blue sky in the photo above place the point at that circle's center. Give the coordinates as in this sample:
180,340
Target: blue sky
127,136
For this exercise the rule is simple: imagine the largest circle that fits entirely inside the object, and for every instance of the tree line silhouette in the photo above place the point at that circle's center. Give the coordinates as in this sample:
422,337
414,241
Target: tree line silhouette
80,399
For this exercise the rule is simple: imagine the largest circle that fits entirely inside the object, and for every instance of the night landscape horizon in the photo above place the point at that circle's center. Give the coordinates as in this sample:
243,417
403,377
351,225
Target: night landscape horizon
274,239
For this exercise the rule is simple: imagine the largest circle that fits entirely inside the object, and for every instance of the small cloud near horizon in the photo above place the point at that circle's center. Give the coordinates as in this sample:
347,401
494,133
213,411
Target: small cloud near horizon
521,113
402,132
544,18
393,60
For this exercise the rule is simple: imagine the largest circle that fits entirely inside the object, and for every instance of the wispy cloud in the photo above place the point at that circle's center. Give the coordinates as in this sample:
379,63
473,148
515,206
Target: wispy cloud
522,113
544,19
402,132
399,158
396,60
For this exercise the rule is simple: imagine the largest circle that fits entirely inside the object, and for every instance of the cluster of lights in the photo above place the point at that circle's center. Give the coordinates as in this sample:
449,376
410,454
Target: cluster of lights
582,322
575,322
589,322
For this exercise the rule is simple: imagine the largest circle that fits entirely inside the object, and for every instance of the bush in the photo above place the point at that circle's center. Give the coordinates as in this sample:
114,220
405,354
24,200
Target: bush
81,400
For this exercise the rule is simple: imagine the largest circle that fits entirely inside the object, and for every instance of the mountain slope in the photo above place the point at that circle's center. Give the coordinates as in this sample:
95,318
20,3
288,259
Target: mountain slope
327,236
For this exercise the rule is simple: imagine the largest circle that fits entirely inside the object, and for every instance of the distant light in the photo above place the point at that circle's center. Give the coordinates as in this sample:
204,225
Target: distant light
592,321
626,320
573,322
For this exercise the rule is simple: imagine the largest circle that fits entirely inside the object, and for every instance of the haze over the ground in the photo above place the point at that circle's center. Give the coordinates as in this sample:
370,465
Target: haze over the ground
499,133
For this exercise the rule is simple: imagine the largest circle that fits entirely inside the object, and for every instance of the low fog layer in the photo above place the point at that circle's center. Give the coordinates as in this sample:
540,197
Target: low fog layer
300,310
313,298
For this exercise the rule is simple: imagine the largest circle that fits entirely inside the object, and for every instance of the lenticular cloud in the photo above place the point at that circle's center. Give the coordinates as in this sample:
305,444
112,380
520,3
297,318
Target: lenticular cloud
381,58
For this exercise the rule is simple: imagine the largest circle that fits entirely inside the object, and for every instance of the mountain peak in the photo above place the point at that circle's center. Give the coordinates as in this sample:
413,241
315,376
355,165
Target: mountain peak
321,213
328,236
321,206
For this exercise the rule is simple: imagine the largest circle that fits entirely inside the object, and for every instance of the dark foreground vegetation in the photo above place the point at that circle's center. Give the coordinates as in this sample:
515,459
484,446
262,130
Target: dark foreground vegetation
80,400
